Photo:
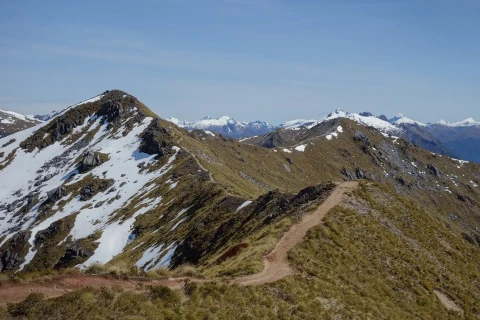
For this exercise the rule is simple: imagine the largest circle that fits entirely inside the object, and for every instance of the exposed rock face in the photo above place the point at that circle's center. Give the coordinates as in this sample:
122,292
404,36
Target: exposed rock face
112,110
156,140
366,114
74,253
64,125
434,170
39,180
93,188
55,195
383,117
362,138
17,247
90,160
357,174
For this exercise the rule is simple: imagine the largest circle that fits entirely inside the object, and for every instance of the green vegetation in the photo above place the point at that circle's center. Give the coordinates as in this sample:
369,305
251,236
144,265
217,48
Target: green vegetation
6,161
377,256
382,254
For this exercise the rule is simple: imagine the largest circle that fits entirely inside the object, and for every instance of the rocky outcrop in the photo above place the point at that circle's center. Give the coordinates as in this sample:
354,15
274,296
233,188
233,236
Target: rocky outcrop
15,250
39,180
434,170
75,253
357,174
90,160
156,140
55,195
112,111
362,138
93,188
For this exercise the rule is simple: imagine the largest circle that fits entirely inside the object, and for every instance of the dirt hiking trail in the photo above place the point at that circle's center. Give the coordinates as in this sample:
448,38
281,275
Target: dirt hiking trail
276,264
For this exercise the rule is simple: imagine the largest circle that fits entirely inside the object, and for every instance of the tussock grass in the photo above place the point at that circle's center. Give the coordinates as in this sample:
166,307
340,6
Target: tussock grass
380,263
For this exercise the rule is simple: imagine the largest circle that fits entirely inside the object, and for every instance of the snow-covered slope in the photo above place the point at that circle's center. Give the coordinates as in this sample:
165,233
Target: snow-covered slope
299,123
11,122
226,126
85,168
372,121
401,119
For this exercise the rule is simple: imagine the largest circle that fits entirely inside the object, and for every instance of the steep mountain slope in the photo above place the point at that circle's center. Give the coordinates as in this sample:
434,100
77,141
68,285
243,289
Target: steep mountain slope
226,126
107,181
11,122
76,190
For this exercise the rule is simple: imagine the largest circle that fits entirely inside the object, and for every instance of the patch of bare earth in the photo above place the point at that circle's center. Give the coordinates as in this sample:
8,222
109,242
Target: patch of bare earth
447,302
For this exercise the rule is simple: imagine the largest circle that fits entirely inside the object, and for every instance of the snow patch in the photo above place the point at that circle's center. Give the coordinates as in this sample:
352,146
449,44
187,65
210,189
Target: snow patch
300,148
243,205
177,224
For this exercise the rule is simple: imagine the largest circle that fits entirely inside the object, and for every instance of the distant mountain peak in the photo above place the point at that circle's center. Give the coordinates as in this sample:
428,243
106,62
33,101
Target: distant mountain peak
400,119
337,113
226,126
469,122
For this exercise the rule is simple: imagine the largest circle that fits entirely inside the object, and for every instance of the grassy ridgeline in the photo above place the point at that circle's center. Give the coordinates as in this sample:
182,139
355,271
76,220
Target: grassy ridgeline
377,256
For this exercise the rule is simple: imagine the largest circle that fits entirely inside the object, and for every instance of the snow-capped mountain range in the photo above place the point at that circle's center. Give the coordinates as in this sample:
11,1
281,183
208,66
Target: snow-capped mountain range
459,139
239,129
226,126
441,137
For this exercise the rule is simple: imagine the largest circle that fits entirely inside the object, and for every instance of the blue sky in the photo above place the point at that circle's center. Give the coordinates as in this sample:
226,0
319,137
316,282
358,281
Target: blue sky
272,60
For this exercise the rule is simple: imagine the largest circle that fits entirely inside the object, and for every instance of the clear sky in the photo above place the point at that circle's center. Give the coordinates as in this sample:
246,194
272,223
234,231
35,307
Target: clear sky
272,60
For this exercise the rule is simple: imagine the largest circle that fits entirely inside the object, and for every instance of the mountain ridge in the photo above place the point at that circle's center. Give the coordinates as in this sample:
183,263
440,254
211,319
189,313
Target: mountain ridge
109,182
429,136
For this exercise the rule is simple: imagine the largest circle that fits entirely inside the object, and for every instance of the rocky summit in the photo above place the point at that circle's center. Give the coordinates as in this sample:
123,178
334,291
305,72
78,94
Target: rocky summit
330,219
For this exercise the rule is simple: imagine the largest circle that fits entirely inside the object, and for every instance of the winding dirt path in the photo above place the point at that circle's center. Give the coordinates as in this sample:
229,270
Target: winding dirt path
14,291
276,264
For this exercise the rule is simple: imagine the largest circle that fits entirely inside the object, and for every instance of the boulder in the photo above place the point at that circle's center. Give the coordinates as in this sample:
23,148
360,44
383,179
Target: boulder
55,194
89,161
